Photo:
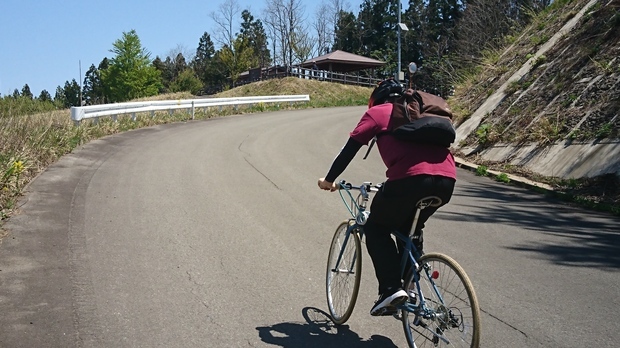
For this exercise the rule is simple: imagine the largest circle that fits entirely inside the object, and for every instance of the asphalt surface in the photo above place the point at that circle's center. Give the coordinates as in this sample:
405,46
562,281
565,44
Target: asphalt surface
214,234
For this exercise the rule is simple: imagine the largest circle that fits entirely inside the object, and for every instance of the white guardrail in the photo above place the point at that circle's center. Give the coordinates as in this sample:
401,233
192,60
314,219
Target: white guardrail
78,113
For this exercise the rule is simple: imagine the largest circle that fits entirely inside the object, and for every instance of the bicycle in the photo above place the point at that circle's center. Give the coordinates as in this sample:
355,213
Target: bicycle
442,308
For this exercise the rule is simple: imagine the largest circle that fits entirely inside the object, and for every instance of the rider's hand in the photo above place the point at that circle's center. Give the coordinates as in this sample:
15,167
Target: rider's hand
326,185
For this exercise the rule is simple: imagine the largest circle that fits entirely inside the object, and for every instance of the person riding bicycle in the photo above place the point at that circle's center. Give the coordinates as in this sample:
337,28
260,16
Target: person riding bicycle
414,171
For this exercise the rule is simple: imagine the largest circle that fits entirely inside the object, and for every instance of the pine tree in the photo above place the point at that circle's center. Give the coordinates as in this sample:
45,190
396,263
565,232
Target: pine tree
346,33
204,57
26,93
71,93
93,90
45,96
377,22
253,31
59,97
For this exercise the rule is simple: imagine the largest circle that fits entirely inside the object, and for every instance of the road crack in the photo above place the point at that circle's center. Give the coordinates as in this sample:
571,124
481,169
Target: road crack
246,156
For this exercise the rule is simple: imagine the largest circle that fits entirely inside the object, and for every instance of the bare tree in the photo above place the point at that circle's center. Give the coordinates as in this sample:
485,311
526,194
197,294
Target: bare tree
224,18
324,36
303,45
186,52
334,7
285,22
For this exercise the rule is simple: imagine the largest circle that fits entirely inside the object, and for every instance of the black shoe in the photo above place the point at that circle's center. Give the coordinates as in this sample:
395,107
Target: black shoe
389,301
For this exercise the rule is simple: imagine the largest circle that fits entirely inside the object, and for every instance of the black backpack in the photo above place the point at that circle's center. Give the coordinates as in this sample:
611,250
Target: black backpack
421,117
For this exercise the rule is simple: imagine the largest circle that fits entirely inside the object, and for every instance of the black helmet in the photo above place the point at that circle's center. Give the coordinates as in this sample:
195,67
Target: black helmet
386,89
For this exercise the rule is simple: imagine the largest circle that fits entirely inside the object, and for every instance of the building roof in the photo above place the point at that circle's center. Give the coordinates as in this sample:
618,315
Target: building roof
342,61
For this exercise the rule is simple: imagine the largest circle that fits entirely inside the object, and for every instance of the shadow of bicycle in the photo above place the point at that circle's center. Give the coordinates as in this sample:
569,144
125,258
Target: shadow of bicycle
317,331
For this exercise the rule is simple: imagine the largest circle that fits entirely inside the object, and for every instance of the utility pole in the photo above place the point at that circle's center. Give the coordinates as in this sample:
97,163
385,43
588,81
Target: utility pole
80,63
399,31
401,27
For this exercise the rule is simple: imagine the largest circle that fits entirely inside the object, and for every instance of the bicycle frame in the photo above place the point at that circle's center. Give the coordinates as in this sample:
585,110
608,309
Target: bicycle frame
409,250
359,215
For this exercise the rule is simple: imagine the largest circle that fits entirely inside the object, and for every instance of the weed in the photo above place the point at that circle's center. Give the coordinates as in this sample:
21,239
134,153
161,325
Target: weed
540,60
482,171
604,131
482,133
539,40
513,87
502,177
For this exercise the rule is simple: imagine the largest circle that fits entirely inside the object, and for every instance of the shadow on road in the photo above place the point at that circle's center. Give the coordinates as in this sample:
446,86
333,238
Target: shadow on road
589,239
317,331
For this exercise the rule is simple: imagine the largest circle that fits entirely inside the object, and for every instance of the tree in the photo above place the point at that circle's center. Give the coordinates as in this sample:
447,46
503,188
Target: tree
93,89
224,19
130,74
187,82
179,65
285,20
237,58
321,26
165,73
377,28
45,96
203,57
253,31
71,93
59,97
26,92
346,34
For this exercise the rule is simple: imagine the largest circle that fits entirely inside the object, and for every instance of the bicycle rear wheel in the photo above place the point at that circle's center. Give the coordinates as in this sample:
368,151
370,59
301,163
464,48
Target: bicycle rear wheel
344,271
449,295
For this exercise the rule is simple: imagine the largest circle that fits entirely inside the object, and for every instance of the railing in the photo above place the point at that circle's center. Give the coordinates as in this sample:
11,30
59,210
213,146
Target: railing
324,75
95,111
304,73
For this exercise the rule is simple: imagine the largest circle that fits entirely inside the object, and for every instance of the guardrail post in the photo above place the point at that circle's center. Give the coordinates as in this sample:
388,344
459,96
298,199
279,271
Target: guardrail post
133,116
114,117
152,113
192,109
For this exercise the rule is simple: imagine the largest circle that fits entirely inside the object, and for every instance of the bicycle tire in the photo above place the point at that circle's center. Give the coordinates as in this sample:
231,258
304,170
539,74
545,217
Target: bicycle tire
342,286
458,315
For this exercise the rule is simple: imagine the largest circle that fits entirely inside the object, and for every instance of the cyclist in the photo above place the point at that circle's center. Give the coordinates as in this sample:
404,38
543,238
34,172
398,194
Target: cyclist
414,171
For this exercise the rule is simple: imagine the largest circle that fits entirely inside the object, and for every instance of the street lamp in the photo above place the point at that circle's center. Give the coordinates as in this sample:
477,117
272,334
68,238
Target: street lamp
412,69
401,27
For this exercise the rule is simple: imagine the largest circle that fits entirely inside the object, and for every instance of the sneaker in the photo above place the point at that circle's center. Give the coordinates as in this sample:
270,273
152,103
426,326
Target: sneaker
388,302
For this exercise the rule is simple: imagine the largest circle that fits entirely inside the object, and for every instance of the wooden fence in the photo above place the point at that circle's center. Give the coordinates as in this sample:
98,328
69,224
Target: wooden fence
255,75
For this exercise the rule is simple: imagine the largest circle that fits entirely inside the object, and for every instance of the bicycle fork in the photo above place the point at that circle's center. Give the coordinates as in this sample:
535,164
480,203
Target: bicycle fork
351,268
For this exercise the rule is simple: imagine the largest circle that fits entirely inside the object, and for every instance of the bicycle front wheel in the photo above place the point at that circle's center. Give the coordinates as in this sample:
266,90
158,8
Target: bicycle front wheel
344,271
450,316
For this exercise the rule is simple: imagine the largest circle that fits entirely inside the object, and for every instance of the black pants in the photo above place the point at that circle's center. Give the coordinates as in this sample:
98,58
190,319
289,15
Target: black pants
393,208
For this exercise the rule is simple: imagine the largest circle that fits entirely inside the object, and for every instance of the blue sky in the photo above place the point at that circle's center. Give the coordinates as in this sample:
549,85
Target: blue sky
42,42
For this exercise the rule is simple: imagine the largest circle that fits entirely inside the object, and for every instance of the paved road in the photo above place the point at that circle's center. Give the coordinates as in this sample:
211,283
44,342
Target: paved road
213,234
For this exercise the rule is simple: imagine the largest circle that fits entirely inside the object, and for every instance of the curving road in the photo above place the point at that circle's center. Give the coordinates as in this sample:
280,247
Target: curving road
214,234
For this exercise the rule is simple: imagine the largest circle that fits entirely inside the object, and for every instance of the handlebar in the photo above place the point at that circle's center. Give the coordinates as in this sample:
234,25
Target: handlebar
366,186
357,207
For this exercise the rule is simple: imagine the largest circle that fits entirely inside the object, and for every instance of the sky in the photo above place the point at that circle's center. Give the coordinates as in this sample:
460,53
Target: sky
43,43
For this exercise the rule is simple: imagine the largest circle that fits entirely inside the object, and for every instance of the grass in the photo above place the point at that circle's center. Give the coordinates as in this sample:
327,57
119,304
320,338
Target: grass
30,143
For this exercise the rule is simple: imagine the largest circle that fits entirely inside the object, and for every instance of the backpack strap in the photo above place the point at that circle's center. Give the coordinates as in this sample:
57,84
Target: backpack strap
372,143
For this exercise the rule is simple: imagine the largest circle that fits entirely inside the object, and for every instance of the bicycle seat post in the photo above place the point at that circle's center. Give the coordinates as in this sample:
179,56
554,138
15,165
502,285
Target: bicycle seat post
430,201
